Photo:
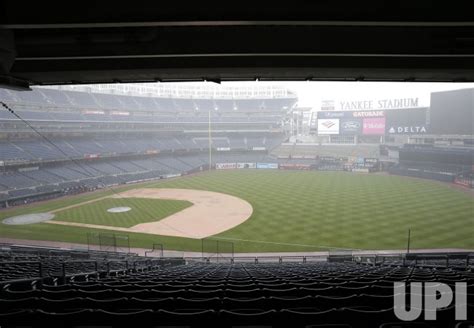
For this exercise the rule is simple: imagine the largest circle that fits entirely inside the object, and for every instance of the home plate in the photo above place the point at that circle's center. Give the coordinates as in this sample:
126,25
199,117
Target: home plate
28,218
119,209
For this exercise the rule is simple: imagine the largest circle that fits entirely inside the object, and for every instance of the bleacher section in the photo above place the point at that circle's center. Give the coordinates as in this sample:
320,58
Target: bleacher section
290,150
436,163
42,181
40,150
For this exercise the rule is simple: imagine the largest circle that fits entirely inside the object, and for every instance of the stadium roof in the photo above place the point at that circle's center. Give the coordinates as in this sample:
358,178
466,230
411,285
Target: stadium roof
104,42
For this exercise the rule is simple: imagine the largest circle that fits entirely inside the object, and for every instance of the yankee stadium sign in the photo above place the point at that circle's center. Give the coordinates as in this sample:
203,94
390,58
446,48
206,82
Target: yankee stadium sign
376,104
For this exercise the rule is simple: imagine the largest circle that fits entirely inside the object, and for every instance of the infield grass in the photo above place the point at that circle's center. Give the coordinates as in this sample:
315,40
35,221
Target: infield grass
142,211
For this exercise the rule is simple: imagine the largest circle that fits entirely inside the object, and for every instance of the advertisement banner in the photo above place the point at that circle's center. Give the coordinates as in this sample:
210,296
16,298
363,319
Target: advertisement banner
223,149
326,115
91,155
225,166
93,112
295,166
351,114
246,165
369,114
360,170
120,113
259,148
463,182
351,126
373,126
267,165
406,121
371,160
328,126
27,169
169,176
327,159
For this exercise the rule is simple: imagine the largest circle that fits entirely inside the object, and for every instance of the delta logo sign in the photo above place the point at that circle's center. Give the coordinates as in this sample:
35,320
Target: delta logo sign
407,130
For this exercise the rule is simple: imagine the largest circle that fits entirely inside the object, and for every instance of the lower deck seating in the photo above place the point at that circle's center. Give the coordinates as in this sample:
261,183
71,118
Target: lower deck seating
228,295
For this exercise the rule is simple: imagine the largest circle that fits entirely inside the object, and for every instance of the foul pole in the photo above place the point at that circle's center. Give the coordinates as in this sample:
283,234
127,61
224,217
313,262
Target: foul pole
210,141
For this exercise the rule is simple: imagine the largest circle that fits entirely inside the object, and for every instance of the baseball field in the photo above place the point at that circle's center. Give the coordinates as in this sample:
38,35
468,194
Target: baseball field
264,211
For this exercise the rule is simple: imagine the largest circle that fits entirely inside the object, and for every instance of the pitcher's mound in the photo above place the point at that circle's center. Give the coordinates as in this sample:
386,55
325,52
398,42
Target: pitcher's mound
119,209
28,218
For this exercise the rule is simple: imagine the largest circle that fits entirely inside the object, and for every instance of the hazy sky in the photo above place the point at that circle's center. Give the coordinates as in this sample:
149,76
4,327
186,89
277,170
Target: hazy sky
310,94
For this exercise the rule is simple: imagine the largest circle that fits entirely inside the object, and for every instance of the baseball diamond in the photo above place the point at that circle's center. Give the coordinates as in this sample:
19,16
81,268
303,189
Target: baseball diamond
279,211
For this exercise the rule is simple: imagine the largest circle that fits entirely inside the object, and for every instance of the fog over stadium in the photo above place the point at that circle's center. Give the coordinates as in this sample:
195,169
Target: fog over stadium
234,184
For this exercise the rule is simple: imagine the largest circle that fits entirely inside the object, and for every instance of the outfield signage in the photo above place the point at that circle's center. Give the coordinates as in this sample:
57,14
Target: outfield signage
246,165
327,158
463,182
351,114
120,113
377,113
380,104
370,104
93,112
295,166
371,160
27,169
408,121
91,155
223,149
373,122
226,166
267,165
328,126
323,115
173,175
373,126
419,129
351,126
360,170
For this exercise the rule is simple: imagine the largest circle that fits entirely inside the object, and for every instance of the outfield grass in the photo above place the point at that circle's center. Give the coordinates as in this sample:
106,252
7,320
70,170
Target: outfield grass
305,211
142,211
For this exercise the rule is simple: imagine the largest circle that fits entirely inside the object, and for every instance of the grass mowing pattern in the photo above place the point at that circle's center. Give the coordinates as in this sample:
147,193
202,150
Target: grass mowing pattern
293,209
343,210
143,210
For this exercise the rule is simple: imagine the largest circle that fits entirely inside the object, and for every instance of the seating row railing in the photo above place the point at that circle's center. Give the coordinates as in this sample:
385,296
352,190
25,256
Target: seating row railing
68,269
460,259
